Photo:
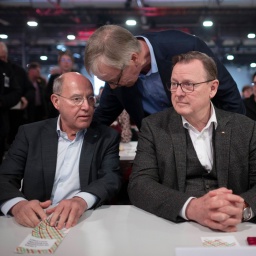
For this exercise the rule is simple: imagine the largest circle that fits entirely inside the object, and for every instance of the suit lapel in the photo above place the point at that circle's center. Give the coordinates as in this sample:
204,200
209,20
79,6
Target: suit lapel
180,148
90,138
222,149
49,140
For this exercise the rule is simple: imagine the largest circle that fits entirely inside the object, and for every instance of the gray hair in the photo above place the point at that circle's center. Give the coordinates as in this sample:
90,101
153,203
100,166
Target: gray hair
57,85
207,61
111,45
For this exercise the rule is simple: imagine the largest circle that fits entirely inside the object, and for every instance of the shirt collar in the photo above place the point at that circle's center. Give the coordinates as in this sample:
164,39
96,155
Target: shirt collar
213,119
154,68
64,135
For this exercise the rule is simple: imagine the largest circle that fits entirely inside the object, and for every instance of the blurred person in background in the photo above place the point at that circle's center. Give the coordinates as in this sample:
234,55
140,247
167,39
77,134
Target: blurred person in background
65,64
38,109
247,91
18,115
250,103
10,94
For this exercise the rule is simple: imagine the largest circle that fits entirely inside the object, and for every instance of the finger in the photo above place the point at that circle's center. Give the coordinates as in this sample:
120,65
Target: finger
219,216
56,215
63,218
220,191
45,204
73,218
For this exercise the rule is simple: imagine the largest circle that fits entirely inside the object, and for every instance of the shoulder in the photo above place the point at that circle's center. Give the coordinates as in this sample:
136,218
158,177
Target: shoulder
233,119
103,130
163,118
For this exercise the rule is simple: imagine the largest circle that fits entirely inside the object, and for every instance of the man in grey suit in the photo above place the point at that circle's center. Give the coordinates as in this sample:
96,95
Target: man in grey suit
201,166
67,164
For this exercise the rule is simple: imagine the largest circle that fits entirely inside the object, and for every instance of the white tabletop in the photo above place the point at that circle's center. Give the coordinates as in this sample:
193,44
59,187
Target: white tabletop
121,231
127,151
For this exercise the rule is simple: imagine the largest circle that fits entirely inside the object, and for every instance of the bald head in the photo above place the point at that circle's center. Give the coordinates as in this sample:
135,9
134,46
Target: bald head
68,78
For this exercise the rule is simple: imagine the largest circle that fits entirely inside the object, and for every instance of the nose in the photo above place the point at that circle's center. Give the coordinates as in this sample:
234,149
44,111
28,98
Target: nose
179,91
85,104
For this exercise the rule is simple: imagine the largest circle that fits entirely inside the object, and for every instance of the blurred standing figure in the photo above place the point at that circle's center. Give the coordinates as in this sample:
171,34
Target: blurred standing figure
18,114
250,103
38,109
247,91
9,96
66,63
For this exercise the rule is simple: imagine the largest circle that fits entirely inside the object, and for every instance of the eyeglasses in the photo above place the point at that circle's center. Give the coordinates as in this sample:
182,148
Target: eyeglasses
253,83
185,86
118,79
79,100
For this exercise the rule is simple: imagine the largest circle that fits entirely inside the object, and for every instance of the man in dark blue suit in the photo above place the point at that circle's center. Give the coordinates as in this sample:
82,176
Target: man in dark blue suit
136,70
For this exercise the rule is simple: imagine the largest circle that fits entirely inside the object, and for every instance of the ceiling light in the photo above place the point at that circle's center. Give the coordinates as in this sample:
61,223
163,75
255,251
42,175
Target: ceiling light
251,35
230,57
61,47
253,65
207,23
76,55
131,22
71,37
32,23
43,57
3,36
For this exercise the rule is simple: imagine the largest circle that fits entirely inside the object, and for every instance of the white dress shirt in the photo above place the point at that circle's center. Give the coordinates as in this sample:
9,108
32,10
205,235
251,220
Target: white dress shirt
202,142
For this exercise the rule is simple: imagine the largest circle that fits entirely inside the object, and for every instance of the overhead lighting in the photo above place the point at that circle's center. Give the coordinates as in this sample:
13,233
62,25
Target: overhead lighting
251,35
32,23
3,36
131,22
76,55
61,47
253,65
71,37
230,57
207,23
43,57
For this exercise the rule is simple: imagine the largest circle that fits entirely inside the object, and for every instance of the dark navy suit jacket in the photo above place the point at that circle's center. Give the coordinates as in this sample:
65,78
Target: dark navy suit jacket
167,44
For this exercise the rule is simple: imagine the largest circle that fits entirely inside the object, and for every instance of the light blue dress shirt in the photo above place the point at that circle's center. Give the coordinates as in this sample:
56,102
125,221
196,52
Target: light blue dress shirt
66,182
154,98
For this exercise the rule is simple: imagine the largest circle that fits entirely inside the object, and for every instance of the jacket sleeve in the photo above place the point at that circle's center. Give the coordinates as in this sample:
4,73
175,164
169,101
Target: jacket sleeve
109,107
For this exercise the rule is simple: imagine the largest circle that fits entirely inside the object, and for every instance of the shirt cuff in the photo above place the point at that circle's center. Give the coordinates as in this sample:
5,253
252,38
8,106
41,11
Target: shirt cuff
6,206
184,208
90,199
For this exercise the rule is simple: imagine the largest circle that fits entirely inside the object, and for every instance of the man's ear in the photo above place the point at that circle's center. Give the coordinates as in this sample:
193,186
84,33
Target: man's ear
55,101
214,88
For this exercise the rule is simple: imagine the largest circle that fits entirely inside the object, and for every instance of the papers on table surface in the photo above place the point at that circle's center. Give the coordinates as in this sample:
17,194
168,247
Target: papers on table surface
43,239
217,246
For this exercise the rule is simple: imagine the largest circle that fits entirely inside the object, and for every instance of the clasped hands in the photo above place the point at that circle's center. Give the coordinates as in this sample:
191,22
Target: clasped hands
65,214
219,209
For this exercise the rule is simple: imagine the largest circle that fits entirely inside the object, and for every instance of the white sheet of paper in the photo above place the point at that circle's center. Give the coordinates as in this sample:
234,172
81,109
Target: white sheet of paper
31,242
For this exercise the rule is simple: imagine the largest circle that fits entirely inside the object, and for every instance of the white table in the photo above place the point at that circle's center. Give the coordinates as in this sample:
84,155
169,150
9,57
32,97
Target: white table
121,231
127,151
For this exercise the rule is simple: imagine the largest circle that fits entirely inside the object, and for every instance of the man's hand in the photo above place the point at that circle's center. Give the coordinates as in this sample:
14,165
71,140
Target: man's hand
67,212
30,213
219,209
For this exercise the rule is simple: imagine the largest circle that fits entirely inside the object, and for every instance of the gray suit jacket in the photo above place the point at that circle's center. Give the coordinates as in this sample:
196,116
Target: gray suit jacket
158,179
33,157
